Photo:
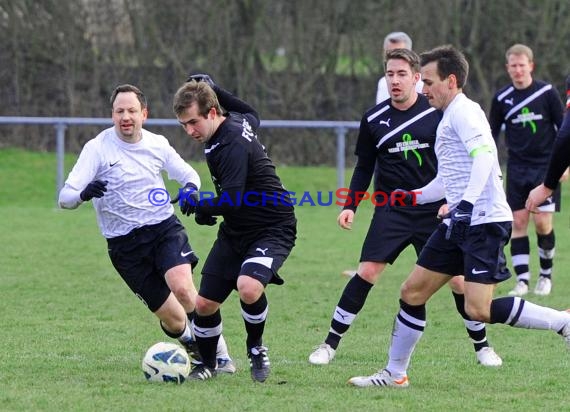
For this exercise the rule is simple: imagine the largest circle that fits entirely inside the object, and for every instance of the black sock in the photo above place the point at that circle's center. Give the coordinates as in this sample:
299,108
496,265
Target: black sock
351,302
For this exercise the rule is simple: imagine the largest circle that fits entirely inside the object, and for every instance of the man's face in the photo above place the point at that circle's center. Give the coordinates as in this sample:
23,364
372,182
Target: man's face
128,116
197,126
400,79
520,70
436,90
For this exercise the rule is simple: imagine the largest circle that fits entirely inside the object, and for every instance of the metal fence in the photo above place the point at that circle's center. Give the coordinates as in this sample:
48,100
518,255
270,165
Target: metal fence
60,124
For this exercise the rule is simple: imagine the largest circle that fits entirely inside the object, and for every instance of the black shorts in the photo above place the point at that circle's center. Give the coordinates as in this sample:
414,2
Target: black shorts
521,180
393,229
143,256
258,255
480,257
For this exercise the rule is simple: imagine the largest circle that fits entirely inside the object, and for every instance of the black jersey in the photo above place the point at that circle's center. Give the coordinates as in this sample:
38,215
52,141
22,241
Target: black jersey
399,144
531,117
560,159
250,195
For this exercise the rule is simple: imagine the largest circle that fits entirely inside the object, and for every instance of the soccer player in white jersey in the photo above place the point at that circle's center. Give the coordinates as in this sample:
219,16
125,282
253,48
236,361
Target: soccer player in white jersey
120,170
395,143
471,238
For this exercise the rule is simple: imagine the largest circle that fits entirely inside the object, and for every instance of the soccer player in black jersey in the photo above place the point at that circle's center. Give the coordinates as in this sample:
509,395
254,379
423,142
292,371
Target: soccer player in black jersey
559,161
259,227
397,139
531,111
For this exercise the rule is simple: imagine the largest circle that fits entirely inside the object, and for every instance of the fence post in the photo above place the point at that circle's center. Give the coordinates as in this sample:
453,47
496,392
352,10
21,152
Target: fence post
60,152
340,155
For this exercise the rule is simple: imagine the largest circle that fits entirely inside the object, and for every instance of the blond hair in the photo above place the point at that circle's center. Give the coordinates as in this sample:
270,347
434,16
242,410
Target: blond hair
520,49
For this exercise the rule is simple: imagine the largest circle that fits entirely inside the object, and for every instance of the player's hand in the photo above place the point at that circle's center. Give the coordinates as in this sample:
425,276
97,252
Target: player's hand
443,211
204,219
202,78
401,197
96,188
536,197
345,219
187,199
460,222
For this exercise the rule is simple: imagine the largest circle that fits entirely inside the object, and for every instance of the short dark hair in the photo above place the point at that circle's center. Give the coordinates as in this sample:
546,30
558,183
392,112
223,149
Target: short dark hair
409,56
449,61
125,88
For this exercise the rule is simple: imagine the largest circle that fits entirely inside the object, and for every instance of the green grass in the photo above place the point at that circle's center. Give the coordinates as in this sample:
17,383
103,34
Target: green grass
73,335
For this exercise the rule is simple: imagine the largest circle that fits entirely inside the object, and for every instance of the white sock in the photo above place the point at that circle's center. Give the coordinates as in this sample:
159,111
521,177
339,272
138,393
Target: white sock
534,316
222,350
404,340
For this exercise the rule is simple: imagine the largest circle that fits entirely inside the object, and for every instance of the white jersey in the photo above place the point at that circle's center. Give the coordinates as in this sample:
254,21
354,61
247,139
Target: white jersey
382,91
135,189
463,129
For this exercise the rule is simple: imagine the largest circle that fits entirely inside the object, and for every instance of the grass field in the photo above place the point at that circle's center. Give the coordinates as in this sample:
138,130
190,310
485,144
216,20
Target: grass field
73,335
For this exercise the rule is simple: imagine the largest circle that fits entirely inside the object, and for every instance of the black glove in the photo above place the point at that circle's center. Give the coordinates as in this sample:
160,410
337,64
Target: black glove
96,188
460,222
205,219
187,198
201,78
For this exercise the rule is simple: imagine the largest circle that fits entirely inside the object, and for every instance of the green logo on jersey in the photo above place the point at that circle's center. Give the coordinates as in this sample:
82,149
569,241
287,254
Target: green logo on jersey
407,139
526,113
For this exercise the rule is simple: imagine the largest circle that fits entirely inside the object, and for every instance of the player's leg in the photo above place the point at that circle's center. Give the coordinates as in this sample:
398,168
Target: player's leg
176,325
261,263
514,311
408,328
389,233
546,248
519,181
349,305
129,255
477,331
484,252
174,254
254,310
520,252
217,283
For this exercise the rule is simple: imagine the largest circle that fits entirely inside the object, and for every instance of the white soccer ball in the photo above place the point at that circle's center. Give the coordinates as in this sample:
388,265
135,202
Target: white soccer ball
166,362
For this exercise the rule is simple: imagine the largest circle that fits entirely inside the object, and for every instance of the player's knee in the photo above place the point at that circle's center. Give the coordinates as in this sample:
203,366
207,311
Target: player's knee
250,295
370,271
206,307
477,314
249,289
456,284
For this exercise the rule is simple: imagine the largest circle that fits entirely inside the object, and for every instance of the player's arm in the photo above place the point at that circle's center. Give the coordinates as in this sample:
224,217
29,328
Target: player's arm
432,192
179,170
228,101
495,119
560,158
364,169
232,168
81,184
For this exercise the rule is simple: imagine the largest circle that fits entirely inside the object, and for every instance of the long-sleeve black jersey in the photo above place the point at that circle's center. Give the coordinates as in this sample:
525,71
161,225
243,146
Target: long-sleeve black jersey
250,195
399,144
531,117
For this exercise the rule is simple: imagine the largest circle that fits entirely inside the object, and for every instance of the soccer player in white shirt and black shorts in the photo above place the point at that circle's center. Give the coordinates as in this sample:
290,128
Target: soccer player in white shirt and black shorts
395,143
120,170
470,241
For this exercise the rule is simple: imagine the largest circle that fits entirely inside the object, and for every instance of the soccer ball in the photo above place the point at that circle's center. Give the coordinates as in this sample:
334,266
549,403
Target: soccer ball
166,362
